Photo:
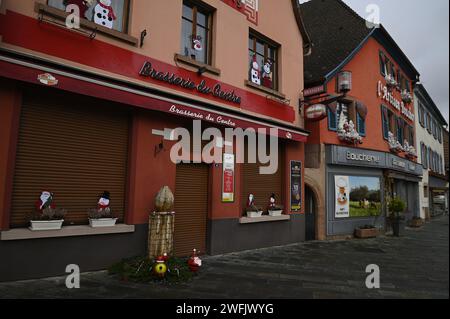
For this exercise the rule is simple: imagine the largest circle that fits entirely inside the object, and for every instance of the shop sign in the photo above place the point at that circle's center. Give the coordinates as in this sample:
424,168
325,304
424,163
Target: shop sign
204,117
363,157
228,178
296,186
314,91
388,96
342,186
147,70
316,112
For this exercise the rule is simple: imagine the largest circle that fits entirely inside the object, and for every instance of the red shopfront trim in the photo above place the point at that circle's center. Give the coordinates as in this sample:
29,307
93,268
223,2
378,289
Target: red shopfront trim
26,32
136,98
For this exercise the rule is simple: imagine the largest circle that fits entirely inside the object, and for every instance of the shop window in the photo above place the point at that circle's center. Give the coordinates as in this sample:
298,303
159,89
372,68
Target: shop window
364,196
113,17
263,61
196,31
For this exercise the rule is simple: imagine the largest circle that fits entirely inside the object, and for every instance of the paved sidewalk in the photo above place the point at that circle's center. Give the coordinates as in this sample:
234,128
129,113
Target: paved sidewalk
415,266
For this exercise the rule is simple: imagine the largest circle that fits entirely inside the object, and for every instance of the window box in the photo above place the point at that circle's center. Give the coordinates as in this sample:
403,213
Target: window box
364,233
264,219
58,14
254,214
43,225
102,222
275,213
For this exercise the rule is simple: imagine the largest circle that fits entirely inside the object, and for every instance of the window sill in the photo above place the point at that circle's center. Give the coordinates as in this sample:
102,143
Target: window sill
264,219
186,60
69,231
86,24
261,88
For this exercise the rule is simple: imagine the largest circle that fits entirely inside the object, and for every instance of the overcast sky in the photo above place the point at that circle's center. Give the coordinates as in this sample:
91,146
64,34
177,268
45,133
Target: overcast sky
421,29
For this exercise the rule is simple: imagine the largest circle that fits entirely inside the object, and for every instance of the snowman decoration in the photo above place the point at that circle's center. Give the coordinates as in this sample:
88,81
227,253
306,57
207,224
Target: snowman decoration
104,14
255,73
104,202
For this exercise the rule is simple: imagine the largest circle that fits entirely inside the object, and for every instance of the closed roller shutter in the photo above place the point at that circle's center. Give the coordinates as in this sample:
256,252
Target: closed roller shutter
191,208
74,146
262,186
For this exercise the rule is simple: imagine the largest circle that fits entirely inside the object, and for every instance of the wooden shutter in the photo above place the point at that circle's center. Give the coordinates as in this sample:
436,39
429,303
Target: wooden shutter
73,146
262,186
191,208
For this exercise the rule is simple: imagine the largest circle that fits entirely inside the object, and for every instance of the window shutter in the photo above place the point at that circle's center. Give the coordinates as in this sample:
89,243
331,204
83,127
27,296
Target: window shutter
385,120
382,64
332,119
361,125
72,146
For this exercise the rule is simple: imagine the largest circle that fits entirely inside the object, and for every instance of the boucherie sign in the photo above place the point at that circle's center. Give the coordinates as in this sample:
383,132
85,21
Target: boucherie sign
386,95
147,70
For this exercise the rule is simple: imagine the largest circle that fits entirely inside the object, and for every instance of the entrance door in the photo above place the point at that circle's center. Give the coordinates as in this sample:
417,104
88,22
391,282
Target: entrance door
191,208
310,211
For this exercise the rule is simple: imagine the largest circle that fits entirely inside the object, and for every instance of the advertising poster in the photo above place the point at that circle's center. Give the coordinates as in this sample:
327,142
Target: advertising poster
228,178
342,191
296,186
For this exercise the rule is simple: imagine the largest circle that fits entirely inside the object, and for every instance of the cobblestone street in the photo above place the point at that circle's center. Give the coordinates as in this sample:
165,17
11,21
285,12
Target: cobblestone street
415,266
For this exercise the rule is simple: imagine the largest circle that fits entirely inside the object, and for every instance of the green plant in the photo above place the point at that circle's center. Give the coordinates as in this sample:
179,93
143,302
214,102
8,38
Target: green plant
396,207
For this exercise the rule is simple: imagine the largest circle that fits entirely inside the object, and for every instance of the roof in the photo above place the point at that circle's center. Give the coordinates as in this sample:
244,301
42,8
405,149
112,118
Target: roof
420,91
337,34
301,25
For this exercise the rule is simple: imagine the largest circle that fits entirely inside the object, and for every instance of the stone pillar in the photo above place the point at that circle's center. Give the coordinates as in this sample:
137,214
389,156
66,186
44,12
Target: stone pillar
160,236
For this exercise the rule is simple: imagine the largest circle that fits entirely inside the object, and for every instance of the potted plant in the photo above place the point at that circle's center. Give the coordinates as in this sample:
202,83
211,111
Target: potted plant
252,210
46,216
397,208
102,216
390,81
416,222
274,209
366,231
406,97
394,145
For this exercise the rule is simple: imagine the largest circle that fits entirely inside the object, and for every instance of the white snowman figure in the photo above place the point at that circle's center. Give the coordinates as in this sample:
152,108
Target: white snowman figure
255,73
104,14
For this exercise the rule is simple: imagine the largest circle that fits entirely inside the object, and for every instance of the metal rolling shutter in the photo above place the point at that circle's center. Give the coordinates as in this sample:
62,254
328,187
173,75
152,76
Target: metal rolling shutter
74,146
191,208
262,186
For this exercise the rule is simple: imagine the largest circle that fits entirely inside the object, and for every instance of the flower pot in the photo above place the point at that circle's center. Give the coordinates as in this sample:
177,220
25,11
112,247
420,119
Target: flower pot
398,227
102,222
416,223
366,233
254,214
275,213
37,225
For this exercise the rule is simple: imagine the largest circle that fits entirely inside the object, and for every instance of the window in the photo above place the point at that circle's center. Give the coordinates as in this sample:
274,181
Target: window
400,130
196,31
409,134
435,129
332,120
425,191
403,82
263,61
428,122
440,134
383,64
429,158
113,17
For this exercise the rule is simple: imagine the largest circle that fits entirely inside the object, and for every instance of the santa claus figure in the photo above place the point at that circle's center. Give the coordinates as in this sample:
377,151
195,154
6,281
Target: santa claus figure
104,202
44,202
197,44
104,14
267,75
255,73
194,262
83,5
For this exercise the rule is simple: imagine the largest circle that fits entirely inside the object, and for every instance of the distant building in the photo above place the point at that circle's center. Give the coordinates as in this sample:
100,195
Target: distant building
430,141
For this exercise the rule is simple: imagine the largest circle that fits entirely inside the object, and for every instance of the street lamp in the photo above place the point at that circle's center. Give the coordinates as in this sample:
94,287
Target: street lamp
344,82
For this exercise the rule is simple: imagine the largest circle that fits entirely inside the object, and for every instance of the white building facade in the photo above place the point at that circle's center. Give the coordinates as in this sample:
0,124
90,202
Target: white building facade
430,150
